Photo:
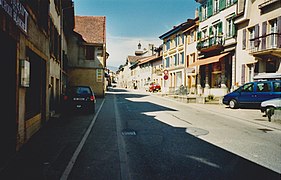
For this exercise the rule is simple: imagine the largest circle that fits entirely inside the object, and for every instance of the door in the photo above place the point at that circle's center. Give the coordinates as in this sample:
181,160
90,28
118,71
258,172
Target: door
247,95
8,98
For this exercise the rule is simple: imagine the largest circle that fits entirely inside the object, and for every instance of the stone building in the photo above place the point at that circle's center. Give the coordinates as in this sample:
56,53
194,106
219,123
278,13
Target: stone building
87,53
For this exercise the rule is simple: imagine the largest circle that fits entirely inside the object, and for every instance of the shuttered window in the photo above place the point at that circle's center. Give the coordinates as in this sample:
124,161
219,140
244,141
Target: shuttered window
279,31
210,8
244,39
263,41
222,4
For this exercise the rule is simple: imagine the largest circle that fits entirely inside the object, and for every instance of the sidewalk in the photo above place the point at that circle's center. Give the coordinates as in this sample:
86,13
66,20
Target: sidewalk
251,115
215,106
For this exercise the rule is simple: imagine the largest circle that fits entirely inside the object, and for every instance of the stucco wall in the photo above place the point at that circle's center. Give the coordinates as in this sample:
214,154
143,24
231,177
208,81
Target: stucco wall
84,76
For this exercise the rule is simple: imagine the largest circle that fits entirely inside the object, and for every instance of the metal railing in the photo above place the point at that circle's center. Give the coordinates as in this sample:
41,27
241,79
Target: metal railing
265,42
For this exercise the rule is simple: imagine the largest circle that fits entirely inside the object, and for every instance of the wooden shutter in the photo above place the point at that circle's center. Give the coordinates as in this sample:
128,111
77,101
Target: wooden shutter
279,31
222,4
257,28
243,74
220,27
211,31
263,40
210,7
244,39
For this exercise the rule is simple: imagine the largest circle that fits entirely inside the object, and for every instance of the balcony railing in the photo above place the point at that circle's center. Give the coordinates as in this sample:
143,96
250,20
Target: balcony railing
212,43
266,42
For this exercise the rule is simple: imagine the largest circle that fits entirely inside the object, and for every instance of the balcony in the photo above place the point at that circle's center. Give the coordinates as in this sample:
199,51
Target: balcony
267,3
214,43
266,45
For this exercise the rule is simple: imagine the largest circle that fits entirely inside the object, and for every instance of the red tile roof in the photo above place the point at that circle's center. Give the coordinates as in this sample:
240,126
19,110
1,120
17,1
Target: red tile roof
91,28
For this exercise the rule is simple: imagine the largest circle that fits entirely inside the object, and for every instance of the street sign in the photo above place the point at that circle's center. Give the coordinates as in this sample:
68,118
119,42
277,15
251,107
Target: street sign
166,72
166,77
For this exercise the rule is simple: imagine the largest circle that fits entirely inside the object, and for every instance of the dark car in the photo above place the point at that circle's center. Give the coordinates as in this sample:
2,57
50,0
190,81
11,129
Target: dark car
252,94
154,87
80,98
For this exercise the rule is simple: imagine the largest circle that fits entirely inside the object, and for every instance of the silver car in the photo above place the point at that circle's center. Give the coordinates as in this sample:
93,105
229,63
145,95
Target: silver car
268,107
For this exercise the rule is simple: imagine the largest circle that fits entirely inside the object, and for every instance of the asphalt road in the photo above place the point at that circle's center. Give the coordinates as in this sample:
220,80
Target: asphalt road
137,136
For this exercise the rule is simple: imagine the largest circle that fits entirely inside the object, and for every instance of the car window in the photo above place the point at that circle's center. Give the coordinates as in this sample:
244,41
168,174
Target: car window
277,86
263,87
79,90
248,88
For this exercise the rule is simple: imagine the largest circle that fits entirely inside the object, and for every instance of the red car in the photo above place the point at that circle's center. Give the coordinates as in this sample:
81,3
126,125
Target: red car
154,87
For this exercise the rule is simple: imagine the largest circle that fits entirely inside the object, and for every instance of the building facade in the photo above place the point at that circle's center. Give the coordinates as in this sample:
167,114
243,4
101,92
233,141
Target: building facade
258,39
216,46
87,53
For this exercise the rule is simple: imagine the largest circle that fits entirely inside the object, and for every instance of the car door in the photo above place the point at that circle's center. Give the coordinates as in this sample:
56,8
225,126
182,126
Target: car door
247,95
264,91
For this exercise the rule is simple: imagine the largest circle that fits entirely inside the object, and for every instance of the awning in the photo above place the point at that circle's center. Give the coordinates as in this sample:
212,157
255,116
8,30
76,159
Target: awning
208,60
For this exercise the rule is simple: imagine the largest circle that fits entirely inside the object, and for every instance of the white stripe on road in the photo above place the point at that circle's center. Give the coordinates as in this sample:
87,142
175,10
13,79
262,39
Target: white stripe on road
80,146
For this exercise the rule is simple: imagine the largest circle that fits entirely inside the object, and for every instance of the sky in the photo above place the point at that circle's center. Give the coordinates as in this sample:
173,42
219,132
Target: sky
130,22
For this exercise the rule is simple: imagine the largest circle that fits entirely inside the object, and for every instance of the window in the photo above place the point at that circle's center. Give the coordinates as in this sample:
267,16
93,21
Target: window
204,12
230,29
182,38
277,86
182,58
167,62
216,6
273,33
191,36
248,88
252,37
176,40
229,2
176,60
168,44
263,87
90,52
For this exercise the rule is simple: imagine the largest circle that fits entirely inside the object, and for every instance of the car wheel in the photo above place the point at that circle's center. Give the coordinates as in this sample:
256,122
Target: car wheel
233,104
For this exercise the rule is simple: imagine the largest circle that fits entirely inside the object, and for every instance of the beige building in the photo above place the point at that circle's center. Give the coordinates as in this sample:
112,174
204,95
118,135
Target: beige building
216,46
87,50
191,56
258,39
174,61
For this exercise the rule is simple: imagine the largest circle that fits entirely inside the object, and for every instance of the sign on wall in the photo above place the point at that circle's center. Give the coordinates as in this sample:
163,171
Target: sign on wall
16,11
25,73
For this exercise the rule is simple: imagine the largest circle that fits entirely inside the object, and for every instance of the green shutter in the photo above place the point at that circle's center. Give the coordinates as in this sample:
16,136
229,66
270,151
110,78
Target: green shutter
210,7
200,13
211,30
234,30
220,27
198,35
222,4
235,1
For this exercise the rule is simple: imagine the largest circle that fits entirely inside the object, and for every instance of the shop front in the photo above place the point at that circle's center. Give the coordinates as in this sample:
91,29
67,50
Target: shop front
215,74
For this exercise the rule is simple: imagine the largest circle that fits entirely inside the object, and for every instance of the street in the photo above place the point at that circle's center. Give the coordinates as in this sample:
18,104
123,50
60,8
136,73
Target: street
137,136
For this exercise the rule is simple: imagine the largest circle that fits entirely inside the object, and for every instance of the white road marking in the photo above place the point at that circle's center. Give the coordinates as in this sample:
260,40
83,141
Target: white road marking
80,146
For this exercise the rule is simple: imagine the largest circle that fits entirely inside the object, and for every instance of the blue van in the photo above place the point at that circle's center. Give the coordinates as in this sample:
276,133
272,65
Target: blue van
253,93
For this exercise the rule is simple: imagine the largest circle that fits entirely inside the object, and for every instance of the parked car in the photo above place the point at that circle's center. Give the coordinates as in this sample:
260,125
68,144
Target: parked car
268,107
79,98
253,93
154,87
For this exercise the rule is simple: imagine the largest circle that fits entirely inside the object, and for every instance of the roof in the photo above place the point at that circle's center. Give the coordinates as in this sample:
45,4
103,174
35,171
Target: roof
150,58
178,28
133,59
91,28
